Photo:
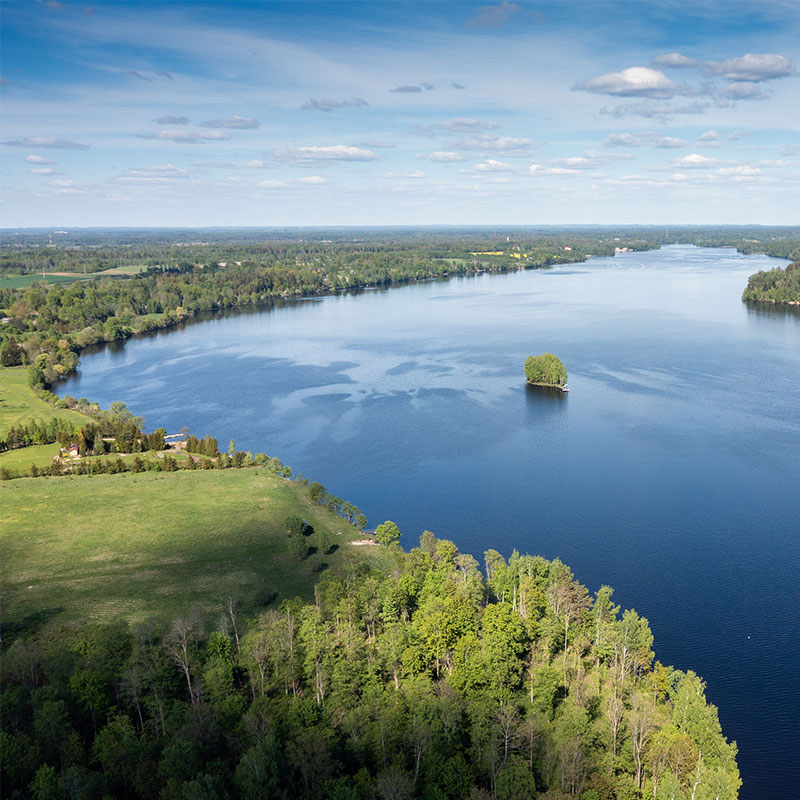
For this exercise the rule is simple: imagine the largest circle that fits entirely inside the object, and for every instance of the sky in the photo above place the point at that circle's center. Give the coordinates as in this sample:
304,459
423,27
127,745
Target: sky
298,113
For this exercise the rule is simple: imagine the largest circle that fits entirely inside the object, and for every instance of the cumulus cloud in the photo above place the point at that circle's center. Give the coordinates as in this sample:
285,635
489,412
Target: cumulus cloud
661,112
44,171
643,138
310,180
633,82
492,165
493,16
538,171
407,174
328,104
317,153
32,159
675,60
172,120
740,171
622,140
709,139
504,145
743,91
186,137
253,164
236,123
159,173
751,67
694,161
456,125
444,156
48,142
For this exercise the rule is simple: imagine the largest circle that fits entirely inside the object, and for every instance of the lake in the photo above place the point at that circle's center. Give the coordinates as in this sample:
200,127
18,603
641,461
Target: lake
671,470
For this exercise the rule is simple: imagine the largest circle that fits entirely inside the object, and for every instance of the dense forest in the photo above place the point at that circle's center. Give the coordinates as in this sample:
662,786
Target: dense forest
775,285
47,325
433,681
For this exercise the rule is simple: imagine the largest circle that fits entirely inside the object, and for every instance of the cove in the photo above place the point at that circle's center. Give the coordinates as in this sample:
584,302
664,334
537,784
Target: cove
670,471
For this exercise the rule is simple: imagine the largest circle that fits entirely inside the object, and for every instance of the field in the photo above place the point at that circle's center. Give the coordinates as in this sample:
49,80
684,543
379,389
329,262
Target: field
11,281
157,545
19,404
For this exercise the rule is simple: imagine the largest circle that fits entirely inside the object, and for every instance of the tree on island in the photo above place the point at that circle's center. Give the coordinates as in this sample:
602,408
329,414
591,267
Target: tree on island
545,369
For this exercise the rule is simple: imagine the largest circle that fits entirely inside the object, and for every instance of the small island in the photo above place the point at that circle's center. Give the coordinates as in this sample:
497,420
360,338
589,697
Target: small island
546,370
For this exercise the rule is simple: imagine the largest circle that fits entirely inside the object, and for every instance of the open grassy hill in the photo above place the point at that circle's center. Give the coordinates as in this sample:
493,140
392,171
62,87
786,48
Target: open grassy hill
156,545
19,404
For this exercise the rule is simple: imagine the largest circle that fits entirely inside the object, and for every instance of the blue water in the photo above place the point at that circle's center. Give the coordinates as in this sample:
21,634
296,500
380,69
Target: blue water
671,470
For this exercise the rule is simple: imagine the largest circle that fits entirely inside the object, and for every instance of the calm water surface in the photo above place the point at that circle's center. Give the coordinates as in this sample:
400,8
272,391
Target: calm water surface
671,471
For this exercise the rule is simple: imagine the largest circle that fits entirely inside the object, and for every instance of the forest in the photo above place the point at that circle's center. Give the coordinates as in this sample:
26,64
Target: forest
432,679
775,285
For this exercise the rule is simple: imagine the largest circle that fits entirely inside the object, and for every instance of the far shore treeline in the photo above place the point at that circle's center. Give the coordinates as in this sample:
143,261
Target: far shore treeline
132,282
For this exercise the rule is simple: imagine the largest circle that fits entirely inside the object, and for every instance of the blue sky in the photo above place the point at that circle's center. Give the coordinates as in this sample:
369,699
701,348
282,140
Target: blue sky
406,113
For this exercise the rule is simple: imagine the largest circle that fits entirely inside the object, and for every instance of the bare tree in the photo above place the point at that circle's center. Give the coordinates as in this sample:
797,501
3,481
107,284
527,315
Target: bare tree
178,643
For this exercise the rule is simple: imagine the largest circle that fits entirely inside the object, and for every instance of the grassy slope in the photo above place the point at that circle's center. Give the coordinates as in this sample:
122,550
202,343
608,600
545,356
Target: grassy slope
19,404
155,545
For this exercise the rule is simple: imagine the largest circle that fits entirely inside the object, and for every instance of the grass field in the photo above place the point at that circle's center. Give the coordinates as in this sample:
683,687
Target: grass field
156,545
19,404
21,281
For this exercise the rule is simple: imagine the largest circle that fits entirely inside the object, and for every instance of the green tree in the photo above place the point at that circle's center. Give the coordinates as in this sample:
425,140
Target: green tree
11,354
387,533
546,369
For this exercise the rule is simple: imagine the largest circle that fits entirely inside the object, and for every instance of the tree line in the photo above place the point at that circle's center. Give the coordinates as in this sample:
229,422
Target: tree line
435,681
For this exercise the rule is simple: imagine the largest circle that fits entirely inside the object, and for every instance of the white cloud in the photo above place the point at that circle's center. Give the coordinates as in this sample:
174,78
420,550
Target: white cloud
694,161
335,152
739,171
622,140
444,156
660,112
744,91
253,164
537,170
172,120
708,136
47,142
675,60
160,173
644,138
328,104
407,174
235,123
505,145
491,165
32,159
751,67
188,137
43,171
633,82
456,125
310,180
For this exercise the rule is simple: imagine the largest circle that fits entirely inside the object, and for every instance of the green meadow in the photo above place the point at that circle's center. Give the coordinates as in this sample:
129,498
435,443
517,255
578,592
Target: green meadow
19,404
140,546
